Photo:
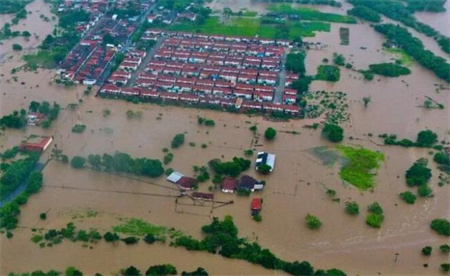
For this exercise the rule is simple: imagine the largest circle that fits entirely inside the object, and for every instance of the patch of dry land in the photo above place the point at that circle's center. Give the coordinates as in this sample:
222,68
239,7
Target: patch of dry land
296,187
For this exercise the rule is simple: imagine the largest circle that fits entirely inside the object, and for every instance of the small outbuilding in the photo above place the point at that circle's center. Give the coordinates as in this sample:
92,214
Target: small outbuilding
174,177
39,144
265,158
203,196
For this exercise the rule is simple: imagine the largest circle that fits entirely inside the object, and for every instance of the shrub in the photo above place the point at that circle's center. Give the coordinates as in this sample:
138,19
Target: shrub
169,171
253,128
408,197
418,174
43,216
257,218
78,128
424,191
17,47
248,152
165,269
445,267
131,271
426,251
313,222
78,162
149,238
264,168
445,248
375,208
168,158
333,133
374,220
177,141
441,226
130,240
270,133
352,208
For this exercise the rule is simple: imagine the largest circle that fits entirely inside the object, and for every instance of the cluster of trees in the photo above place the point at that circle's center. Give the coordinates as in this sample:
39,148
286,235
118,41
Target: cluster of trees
425,139
222,237
418,174
389,69
51,112
295,62
328,73
120,163
162,270
375,216
443,160
441,226
12,6
70,271
400,37
231,168
10,211
14,120
333,133
365,13
6,32
205,121
404,14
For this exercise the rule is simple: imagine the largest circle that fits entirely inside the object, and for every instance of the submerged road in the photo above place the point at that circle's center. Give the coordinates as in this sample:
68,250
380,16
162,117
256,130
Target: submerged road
278,96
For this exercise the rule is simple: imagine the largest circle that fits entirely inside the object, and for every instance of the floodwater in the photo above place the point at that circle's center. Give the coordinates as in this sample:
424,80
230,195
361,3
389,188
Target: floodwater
296,187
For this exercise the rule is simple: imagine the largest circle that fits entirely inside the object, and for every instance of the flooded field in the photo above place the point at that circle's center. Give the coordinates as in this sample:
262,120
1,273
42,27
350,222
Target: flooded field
297,186
34,23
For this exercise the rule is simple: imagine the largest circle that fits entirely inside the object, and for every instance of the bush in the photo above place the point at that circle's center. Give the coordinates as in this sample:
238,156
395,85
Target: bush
169,171
352,208
445,267
130,240
441,226
424,191
248,152
374,220
389,69
375,208
78,162
418,174
313,222
165,269
426,251
177,141
78,128
43,216
270,133
445,248
17,47
168,158
426,138
333,133
150,239
408,197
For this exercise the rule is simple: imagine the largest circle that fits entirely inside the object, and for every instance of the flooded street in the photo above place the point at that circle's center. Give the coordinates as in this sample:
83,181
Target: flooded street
297,186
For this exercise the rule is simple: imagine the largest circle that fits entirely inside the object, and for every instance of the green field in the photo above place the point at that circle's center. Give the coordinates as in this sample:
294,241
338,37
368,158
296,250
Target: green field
250,27
311,14
138,227
404,58
360,166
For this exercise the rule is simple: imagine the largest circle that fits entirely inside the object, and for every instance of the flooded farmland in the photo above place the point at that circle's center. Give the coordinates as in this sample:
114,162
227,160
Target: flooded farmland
297,186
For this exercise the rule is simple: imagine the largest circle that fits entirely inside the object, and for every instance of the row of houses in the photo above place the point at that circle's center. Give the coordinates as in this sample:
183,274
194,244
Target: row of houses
239,103
234,40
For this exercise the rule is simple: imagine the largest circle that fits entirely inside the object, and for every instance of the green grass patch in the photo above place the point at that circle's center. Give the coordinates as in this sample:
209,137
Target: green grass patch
361,166
401,55
250,27
311,14
138,227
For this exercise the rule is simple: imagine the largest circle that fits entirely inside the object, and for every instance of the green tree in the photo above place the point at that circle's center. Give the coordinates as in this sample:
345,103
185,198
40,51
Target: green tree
131,271
200,271
16,47
424,190
333,133
177,141
445,267
352,208
426,138
72,271
426,251
445,248
78,162
441,226
111,237
366,101
313,222
95,161
270,133
161,270
264,168
408,197
418,174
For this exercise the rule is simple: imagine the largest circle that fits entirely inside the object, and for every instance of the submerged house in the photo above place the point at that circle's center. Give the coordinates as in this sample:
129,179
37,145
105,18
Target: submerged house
265,158
250,184
229,185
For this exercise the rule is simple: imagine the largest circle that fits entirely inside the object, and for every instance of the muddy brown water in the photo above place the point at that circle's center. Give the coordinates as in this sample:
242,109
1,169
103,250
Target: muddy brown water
296,187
